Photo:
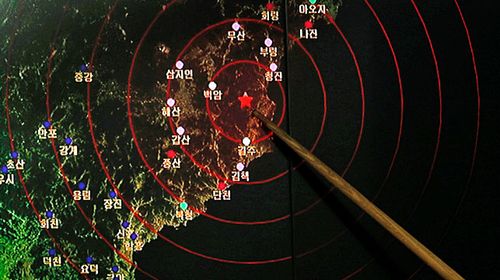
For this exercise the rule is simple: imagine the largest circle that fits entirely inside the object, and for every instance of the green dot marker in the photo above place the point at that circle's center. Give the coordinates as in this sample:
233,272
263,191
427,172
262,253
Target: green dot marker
312,1
183,205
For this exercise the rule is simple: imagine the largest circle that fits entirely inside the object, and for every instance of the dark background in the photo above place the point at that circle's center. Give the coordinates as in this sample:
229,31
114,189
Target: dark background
473,239
464,234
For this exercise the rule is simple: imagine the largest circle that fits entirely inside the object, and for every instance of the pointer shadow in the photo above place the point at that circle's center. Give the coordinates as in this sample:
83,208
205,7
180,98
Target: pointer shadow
323,189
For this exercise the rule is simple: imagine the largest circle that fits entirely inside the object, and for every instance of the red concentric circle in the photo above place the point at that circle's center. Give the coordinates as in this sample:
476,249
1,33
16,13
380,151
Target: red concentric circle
219,128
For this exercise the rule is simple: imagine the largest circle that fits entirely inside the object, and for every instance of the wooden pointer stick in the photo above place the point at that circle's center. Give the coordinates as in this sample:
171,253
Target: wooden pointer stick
361,201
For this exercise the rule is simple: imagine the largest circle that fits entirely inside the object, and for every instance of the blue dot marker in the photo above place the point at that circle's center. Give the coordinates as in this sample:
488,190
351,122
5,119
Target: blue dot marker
116,278
183,205
115,269
49,214
125,224
14,155
133,236
68,141
5,169
112,194
52,252
81,186
84,68
47,124
89,259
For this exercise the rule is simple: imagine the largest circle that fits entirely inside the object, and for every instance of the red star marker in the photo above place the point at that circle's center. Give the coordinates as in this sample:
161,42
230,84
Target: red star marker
270,6
245,100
